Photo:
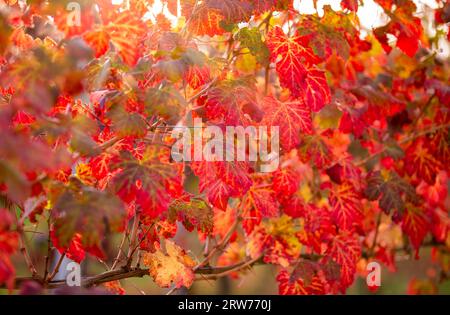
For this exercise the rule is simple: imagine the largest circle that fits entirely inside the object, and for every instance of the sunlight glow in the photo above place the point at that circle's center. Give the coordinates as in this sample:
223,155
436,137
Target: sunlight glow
370,14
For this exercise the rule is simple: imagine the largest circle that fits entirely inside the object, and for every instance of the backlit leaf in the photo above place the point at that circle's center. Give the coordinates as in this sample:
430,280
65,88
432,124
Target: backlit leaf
346,206
292,117
416,225
86,211
172,266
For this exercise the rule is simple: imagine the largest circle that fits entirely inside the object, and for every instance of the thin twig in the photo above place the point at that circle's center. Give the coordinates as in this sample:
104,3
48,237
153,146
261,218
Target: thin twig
58,265
230,269
219,246
133,235
122,243
377,228
49,250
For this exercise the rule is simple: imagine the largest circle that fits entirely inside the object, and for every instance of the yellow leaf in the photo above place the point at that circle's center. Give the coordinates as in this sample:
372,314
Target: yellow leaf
174,266
246,62
84,173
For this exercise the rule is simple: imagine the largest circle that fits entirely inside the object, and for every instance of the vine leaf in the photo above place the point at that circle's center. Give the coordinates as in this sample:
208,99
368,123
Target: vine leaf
233,102
346,206
345,250
98,39
421,160
315,87
127,124
292,117
285,182
295,65
391,190
302,281
193,212
123,31
260,200
406,27
222,180
147,180
172,266
416,225
251,39
86,211
9,244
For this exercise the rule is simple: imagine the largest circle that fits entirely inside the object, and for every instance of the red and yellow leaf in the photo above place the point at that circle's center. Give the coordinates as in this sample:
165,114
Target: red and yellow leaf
292,117
172,266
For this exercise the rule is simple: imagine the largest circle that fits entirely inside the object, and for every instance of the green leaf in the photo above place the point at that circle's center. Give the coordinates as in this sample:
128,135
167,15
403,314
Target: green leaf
166,102
193,213
84,144
127,124
394,150
193,57
251,38
228,27
177,62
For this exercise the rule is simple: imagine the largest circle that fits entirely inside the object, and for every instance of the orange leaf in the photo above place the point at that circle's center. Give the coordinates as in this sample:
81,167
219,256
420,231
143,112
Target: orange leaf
173,266
99,40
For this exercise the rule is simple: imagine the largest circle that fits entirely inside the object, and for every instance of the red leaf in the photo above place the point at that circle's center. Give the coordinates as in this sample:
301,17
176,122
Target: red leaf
345,250
9,244
420,160
261,6
416,225
346,206
319,227
437,193
149,180
222,180
99,40
293,50
277,239
233,102
218,193
295,67
291,117
203,20
261,200
235,174
406,27
285,182
123,31
75,250
292,57
351,5
293,284
316,151
315,87
197,76
294,206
